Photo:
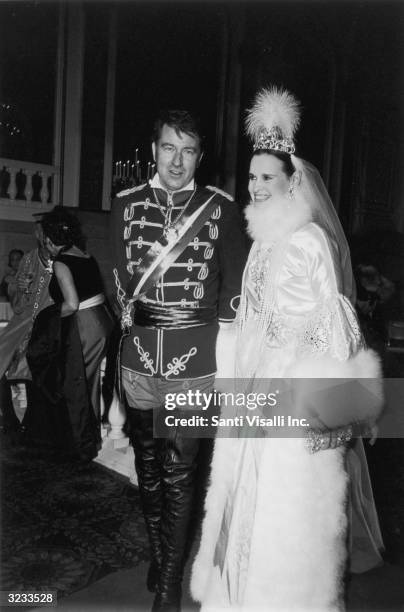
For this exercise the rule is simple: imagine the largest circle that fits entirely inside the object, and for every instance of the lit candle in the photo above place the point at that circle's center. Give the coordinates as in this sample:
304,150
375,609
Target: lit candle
148,170
136,158
138,172
131,170
116,169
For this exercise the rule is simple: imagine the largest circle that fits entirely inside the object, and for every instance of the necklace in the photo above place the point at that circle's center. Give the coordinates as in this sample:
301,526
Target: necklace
169,231
259,268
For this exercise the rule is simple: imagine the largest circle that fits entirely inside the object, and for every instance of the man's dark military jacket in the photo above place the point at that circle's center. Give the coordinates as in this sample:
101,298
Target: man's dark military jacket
206,274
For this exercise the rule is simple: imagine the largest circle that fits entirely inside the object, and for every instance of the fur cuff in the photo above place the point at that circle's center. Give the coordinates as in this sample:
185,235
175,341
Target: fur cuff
334,393
365,364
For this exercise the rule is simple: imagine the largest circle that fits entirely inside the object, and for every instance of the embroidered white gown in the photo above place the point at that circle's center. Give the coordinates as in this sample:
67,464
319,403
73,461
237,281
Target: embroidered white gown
274,534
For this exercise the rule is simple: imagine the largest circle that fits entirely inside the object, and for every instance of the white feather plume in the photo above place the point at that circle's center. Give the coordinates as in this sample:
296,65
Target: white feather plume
273,107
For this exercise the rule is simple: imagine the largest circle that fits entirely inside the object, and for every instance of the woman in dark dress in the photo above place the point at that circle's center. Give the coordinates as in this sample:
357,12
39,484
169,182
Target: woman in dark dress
68,343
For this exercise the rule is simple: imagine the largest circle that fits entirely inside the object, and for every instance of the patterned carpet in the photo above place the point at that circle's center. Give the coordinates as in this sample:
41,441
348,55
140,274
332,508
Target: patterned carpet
64,526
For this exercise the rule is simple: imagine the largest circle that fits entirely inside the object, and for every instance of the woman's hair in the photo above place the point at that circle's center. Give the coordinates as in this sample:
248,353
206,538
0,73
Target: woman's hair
63,228
288,166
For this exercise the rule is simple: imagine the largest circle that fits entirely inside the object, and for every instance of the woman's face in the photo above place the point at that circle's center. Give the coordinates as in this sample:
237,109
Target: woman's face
52,248
267,178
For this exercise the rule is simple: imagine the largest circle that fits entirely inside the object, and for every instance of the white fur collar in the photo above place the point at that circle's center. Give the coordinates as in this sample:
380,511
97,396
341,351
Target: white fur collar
270,221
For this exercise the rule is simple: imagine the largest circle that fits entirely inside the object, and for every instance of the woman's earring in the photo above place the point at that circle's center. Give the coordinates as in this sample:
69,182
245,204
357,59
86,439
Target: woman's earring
291,192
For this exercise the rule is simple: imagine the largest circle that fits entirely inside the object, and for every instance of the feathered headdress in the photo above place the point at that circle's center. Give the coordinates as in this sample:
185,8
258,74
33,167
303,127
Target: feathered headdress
273,120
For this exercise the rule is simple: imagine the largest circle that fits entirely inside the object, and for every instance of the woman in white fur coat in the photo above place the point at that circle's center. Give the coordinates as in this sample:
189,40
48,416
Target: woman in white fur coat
274,535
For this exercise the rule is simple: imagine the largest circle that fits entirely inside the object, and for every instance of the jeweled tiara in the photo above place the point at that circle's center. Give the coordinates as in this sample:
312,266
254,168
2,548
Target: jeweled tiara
273,120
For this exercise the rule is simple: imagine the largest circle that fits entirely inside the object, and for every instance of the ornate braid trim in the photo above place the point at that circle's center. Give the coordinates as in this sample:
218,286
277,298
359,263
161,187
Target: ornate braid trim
178,364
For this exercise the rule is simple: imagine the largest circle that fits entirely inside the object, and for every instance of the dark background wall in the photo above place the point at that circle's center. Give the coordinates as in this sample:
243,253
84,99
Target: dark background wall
344,60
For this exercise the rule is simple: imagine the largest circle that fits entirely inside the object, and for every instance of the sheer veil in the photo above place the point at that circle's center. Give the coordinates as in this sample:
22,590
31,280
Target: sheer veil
271,124
312,191
310,196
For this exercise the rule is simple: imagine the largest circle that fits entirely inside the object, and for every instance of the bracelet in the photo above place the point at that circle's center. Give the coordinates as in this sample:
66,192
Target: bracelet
341,436
318,439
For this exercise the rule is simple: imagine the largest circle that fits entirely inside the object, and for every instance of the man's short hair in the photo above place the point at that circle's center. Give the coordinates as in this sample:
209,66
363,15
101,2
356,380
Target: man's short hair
180,121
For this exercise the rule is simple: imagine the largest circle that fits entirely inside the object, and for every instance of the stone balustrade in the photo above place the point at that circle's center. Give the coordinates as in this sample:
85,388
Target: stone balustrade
116,452
27,188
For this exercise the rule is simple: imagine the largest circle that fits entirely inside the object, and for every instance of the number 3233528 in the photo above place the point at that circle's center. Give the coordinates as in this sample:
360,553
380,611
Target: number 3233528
24,598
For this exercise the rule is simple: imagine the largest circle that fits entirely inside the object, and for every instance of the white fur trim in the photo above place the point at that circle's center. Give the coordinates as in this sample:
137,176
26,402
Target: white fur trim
221,478
274,219
298,547
364,367
365,364
298,543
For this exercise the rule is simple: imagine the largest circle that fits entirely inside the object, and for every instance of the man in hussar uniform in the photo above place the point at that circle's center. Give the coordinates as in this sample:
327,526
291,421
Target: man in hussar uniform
185,287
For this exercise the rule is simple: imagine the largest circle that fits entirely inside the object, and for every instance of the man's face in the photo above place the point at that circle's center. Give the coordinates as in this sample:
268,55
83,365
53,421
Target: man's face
177,158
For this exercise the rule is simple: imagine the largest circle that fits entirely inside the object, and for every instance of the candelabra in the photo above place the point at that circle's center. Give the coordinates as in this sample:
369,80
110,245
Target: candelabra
131,173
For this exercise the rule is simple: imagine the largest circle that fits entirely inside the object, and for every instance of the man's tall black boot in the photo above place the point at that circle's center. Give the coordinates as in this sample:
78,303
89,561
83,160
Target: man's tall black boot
179,461
150,485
